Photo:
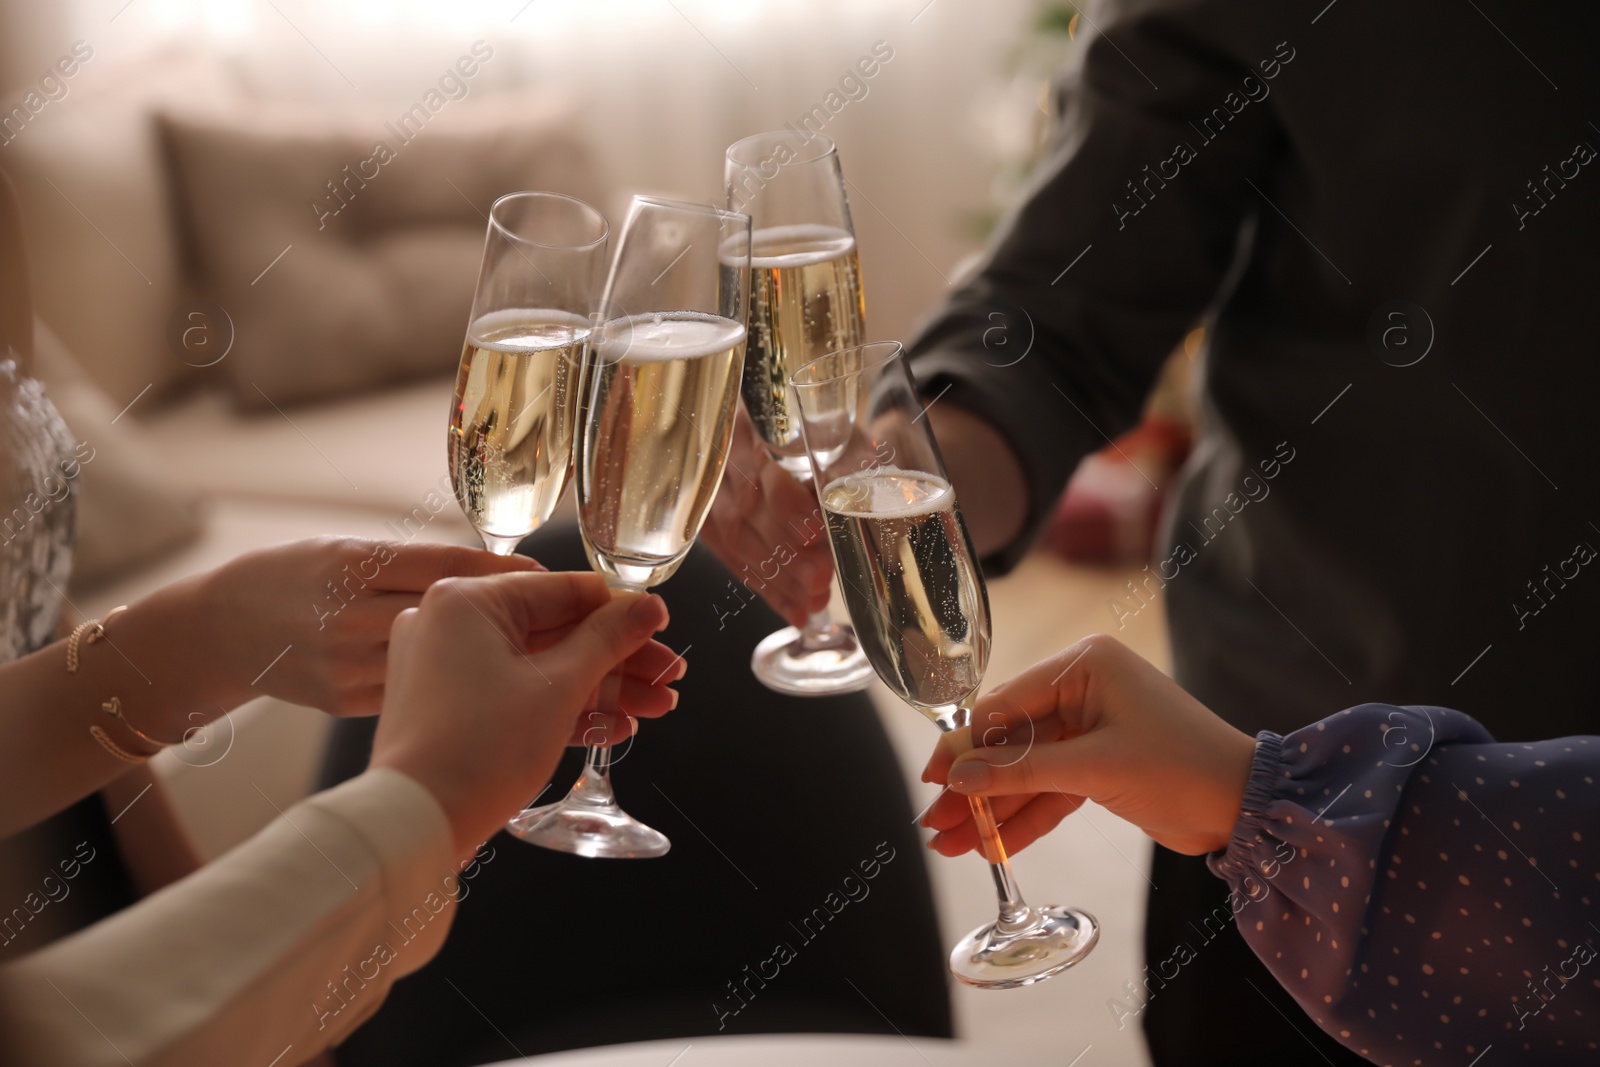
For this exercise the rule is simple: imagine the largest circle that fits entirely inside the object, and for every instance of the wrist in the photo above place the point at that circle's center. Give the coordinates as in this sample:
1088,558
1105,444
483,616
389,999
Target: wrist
987,474
1232,780
466,829
176,641
212,622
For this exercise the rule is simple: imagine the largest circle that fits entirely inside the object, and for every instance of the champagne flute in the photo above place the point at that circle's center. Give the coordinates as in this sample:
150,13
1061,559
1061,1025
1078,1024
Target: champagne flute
906,566
657,403
515,408
805,301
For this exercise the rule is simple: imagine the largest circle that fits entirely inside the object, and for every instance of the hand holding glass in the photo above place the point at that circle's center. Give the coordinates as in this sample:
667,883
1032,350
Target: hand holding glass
919,605
805,300
658,398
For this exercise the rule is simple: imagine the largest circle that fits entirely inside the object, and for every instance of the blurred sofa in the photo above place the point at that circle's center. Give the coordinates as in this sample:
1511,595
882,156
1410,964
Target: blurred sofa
254,321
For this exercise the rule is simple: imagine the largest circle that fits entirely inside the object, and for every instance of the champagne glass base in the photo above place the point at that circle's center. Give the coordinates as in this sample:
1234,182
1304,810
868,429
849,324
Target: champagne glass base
596,831
1059,938
786,662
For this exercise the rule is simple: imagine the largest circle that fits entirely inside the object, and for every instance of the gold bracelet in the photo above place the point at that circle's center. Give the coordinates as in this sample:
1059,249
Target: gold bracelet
115,749
95,628
113,707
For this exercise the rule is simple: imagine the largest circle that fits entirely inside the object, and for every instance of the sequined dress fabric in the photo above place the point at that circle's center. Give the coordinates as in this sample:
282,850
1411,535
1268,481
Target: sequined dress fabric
37,506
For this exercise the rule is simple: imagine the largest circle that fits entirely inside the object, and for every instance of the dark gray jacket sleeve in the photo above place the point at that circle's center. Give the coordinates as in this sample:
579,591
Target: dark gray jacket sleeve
1422,891
1124,239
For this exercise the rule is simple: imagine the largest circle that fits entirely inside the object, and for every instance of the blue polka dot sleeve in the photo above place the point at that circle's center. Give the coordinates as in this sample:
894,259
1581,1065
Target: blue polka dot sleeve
1424,892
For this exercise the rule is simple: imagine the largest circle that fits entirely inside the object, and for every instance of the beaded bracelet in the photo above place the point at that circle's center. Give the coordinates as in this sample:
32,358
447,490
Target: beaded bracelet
95,628
113,707
115,749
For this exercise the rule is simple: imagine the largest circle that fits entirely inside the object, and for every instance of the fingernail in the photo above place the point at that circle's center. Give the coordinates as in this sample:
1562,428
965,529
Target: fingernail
649,611
683,669
970,776
674,704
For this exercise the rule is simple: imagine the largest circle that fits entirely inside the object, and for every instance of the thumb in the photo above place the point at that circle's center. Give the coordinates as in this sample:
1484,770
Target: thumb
608,635
1068,767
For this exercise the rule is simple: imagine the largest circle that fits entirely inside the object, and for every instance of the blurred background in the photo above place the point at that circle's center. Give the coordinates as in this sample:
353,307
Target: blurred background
254,228
598,100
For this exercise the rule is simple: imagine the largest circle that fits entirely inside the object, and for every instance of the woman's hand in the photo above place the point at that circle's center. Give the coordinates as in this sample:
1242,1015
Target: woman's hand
638,689
479,719
1094,722
767,528
309,621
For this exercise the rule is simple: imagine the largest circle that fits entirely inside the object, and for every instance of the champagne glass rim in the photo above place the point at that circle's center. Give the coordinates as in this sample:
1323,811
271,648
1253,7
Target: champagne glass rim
584,208
881,352
690,206
585,323
825,147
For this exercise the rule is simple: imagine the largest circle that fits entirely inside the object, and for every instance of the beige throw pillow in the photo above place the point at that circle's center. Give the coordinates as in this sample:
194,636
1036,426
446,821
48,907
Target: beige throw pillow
94,192
129,513
345,256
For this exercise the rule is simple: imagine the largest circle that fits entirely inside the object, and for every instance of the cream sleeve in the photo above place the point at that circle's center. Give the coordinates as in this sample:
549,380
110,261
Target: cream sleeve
275,951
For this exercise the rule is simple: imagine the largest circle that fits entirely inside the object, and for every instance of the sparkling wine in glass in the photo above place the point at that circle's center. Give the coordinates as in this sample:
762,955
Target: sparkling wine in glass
917,598
805,301
514,413
658,400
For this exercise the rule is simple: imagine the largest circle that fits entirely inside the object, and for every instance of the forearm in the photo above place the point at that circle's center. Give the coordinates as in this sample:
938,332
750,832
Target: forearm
986,474
154,660
1059,336
293,938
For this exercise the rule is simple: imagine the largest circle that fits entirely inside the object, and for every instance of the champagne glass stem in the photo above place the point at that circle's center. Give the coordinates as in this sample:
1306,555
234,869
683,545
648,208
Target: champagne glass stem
815,634
587,821
594,785
1015,916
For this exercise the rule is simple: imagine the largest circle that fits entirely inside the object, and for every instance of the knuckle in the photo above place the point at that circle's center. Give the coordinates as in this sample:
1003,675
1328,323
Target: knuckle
324,552
446,594
1098,646
452,560
1099,641
611,631
738,476
777,485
